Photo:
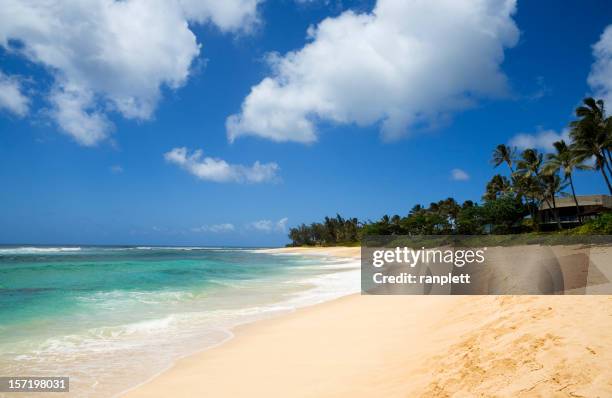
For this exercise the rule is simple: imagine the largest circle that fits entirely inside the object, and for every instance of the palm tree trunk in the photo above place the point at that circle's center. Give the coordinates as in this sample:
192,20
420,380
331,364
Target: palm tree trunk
571,180
550,206
536,215
605,176
556,212
605,162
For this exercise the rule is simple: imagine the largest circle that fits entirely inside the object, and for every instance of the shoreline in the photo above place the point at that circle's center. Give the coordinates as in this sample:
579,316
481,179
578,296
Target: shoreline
235,332
339,252
398,346
353,252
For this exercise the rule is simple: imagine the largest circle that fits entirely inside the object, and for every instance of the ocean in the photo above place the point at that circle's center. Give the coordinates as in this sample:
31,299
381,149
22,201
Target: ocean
112,317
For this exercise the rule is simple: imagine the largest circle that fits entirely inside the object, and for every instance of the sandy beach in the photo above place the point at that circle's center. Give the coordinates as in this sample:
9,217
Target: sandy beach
398,346
344,252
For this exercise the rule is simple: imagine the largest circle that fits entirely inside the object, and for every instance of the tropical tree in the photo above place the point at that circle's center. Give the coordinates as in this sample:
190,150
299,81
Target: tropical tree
504,154
498,186
504,213
396,228
334,230
471,219
526,181
530,163
552,185
416,209
591,135
566,161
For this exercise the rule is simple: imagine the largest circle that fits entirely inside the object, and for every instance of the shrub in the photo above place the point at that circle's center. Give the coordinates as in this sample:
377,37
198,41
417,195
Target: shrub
602,225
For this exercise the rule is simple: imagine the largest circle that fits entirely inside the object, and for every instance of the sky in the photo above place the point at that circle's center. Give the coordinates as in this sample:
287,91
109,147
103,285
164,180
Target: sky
184,122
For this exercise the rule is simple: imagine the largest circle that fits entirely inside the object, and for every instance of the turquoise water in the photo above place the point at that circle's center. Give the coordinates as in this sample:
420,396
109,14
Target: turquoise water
110,317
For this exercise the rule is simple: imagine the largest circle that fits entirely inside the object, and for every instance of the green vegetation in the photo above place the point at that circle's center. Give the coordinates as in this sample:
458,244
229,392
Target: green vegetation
333,231
600,225
510,204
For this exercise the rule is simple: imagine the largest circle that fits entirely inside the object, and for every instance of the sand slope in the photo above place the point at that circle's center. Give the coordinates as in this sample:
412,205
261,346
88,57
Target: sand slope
405,346
527,346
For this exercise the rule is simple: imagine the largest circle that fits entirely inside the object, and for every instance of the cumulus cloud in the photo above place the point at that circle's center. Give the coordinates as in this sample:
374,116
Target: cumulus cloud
111,56
12,98
232,15
600,77
75,112
541,140
269,225
215,228
218,170
459,175
404,65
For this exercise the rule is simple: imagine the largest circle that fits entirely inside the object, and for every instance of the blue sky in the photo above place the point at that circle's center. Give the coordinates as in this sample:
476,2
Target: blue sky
368,115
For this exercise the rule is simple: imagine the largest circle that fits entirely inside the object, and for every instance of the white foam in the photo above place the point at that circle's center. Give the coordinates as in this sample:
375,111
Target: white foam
155,343
37,250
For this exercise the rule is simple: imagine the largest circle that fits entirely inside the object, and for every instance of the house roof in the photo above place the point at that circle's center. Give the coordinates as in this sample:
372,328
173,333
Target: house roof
604,201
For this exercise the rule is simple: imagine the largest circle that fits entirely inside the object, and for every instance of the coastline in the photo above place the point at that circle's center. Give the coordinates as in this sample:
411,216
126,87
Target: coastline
163,304
353,252
434,346
336,252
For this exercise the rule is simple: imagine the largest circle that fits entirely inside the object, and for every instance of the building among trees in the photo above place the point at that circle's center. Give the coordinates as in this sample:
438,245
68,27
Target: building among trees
573,212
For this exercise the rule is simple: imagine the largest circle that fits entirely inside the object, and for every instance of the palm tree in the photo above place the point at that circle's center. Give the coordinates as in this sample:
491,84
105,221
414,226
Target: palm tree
552,185
504,154
526,180
530,163
498,186
591,134
608,142
416,209
565,161
396,228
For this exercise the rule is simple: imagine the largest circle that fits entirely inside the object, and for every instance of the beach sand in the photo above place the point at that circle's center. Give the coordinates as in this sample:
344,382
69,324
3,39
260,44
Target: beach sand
345,252
409,346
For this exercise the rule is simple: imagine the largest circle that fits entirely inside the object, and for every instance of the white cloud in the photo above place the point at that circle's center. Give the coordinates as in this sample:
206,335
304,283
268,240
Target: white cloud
215,228
459,175
74,111
228,15
116,169
269,225
11,96
218,170
281,224
541,140
406,64
111,56
600,78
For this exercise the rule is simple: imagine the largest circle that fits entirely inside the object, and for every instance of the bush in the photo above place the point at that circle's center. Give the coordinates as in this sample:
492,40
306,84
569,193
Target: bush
602,225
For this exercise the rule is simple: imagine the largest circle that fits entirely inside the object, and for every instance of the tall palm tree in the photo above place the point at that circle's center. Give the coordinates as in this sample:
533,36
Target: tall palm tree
529,188
552,186
526,180
591,135
566,161
608,143
504,154
595,113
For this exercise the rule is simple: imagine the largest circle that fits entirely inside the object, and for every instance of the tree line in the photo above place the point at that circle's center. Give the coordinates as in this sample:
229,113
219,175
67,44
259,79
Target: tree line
510,204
